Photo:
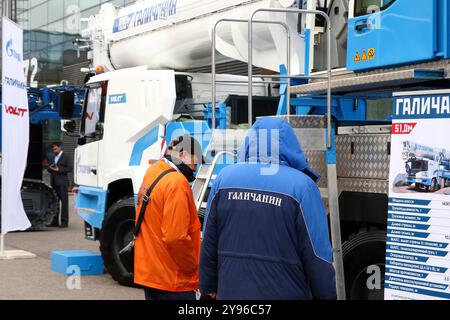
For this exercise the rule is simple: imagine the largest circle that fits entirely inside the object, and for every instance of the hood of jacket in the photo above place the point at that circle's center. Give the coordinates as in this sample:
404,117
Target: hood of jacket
273,141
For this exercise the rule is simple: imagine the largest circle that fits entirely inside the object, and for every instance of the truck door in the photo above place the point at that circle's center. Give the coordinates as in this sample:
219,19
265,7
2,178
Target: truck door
86,156
385,33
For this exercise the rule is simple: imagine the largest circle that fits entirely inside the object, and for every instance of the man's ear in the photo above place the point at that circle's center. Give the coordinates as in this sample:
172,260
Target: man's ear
182,154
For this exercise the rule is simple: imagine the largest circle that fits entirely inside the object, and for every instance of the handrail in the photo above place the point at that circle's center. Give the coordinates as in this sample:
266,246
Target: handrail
213,63
250,63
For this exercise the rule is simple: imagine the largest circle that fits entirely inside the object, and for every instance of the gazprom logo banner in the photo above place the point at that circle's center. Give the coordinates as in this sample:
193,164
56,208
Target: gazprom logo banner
15,129
10,52
122,23
145,14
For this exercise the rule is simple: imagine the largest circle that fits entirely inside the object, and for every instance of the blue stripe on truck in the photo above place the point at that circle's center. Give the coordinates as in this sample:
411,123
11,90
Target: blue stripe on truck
149,139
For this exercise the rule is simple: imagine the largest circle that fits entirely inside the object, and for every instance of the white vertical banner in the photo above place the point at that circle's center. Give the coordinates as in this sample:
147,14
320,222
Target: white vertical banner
15,128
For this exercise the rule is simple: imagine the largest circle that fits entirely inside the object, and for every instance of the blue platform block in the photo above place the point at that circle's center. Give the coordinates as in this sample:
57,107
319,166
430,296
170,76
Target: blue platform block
82,261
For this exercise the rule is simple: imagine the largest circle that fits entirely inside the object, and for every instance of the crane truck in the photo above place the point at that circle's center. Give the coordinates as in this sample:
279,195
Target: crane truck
146,97
427,168
60,103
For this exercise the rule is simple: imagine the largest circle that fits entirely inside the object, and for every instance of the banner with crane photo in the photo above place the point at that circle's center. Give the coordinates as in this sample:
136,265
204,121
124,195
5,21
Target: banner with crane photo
15,129
418,228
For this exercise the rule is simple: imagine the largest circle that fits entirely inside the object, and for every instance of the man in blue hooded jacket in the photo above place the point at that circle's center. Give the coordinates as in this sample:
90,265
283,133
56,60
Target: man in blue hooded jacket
266,231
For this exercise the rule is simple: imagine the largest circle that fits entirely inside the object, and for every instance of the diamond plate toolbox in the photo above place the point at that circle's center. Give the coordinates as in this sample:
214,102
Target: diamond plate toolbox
362,159
364,156
362,163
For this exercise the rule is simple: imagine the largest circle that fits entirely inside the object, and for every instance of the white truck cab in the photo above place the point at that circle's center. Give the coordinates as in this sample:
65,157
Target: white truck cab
422,172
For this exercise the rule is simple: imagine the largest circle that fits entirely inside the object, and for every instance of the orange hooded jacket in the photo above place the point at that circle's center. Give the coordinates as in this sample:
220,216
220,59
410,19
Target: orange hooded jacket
167,247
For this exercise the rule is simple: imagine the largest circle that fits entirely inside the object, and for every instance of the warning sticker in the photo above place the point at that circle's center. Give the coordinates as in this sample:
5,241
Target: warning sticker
364,56
371,54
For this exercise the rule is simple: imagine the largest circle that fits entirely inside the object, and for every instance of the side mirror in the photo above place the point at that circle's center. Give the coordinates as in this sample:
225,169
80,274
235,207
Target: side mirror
68,126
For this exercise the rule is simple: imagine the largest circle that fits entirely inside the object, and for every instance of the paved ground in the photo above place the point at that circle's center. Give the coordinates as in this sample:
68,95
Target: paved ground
33,279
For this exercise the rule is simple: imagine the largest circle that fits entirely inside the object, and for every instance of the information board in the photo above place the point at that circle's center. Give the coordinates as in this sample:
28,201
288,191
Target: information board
418,234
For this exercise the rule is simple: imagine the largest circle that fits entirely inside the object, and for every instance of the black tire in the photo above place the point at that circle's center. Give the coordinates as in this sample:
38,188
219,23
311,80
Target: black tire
434,185
49,201
40,202
116,233
367,248
422,188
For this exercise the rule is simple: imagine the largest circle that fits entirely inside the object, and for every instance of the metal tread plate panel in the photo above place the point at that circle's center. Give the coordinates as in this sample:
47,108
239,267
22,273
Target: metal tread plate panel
363,185
316,160
364,82
363,156
378,78
306,122
366,169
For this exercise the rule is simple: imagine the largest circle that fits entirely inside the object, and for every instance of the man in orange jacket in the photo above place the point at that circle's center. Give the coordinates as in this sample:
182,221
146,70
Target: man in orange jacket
167,247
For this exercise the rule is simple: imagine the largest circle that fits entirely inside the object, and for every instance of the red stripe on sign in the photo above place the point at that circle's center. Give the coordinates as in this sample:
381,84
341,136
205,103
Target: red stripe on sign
403,128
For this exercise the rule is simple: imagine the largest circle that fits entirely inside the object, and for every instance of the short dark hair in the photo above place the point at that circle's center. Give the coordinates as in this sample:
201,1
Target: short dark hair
57,144
188,144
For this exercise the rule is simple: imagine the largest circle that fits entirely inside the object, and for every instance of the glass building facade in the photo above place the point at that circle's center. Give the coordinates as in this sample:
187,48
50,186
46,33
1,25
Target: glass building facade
50,27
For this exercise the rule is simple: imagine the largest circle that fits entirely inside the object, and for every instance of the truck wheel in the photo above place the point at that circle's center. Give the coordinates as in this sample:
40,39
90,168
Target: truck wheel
422,187
116,233
40,202
361,251
434,185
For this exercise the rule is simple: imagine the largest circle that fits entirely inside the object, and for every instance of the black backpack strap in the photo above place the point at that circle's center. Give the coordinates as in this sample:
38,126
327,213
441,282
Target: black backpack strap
146,200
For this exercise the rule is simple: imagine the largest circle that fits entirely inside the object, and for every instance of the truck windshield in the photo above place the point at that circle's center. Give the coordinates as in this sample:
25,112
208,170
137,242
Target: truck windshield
363,7
94,112
415,166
